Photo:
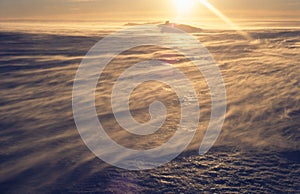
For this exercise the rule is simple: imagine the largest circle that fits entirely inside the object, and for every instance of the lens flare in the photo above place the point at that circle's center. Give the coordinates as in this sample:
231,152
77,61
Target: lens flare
224,18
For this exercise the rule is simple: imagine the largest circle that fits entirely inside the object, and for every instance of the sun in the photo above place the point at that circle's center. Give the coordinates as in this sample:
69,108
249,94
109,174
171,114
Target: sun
184,6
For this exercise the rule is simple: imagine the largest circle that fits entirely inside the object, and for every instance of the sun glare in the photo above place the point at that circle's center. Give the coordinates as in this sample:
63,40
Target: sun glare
184,6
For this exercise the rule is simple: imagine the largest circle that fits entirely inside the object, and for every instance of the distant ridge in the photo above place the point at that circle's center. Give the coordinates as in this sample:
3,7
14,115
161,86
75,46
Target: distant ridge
136,24
183,27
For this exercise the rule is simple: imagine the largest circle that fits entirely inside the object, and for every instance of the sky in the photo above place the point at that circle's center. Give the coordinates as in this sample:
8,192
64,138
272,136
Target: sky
145,9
